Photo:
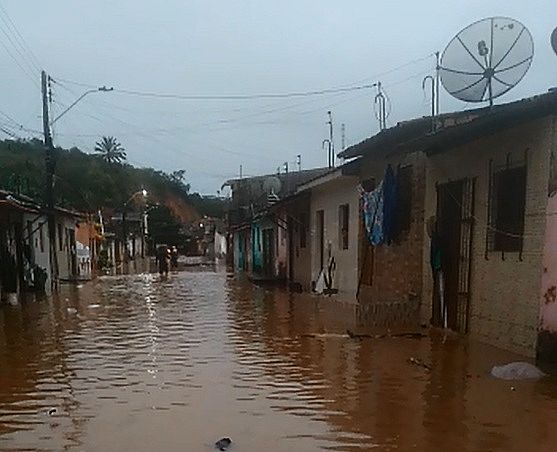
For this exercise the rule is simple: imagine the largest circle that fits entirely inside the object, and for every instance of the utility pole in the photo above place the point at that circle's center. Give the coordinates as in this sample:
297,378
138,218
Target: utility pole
50,164
241,168
437,81
382,103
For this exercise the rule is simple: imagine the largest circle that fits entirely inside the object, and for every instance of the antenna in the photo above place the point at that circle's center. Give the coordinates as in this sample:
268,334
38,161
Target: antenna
486,59
429,78
343,136
327,143
381,101
437,80
554,40
331,141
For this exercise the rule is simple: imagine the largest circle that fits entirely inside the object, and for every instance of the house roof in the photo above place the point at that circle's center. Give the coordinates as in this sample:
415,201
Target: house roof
18,202
503,117
417,134
294,178
25,203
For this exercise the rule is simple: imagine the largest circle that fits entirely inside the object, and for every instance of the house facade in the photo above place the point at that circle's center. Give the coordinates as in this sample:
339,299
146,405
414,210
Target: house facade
477,252
466,239
489,190
256,224
25,245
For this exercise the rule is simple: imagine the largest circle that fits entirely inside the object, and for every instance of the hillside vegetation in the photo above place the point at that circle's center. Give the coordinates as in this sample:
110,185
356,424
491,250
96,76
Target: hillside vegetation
88,182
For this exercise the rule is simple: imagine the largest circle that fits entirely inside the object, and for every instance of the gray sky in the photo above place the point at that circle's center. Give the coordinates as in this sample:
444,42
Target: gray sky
207,47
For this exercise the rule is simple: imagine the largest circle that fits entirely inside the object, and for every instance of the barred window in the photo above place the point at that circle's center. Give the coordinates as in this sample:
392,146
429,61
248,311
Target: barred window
508,201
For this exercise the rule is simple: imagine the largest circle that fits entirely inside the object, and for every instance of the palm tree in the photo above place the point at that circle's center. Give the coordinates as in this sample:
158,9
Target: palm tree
110,150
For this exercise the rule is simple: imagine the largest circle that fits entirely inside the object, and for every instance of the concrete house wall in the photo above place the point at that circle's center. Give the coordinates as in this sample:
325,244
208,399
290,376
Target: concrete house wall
36,229
328,196
547,335
299,253
504,290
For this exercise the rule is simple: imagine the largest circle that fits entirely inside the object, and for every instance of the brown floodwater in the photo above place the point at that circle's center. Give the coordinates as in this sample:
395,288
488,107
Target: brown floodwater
139,363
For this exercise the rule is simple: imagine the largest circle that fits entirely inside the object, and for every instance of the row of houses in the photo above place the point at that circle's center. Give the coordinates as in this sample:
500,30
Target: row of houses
450,222
84,244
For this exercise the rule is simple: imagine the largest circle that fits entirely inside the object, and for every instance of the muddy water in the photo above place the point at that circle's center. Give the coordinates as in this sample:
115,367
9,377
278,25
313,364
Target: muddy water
142,364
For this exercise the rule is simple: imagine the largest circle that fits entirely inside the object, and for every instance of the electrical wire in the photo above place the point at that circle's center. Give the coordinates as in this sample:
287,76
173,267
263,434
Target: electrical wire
22,42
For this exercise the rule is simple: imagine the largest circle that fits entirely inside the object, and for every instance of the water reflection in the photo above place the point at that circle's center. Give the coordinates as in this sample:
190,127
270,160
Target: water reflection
144,363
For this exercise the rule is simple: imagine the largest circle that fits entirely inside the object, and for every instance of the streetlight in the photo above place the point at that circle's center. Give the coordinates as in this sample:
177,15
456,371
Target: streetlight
102,89
143,193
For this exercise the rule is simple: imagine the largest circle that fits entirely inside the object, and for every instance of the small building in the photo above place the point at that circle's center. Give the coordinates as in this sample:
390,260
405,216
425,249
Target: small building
124,238
259,237
333,225
489,187
25,245
476,251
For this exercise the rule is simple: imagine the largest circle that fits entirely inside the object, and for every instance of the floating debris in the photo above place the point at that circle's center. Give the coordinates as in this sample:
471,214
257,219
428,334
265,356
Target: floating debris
517,371
419,362
223,443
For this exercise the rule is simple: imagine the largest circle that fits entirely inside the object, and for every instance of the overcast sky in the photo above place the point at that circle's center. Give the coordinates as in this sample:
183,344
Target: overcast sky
207,47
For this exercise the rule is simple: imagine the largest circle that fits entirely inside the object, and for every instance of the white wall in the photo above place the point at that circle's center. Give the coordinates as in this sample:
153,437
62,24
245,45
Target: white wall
41,256
328,197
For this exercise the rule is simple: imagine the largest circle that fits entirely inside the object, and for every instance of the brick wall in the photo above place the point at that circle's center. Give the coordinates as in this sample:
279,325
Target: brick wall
397,268
504,297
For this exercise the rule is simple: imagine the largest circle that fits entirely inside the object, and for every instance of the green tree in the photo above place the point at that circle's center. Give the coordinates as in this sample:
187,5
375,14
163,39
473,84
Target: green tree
110,150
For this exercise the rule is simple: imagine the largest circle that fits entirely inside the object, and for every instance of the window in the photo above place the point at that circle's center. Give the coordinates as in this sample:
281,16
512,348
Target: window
343,221
404,177
60,237
508,200
303,229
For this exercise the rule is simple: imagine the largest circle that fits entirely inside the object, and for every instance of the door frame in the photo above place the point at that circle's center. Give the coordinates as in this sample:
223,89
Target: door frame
457,298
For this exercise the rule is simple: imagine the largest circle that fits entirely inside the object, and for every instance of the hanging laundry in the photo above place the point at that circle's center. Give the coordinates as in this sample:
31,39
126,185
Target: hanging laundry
372,210
390,206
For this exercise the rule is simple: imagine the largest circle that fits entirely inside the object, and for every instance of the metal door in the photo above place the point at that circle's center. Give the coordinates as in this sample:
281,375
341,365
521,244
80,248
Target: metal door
455,221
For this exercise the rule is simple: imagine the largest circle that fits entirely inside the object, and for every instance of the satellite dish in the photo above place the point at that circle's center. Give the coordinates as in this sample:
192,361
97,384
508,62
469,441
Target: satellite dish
272,185
486,59
554,40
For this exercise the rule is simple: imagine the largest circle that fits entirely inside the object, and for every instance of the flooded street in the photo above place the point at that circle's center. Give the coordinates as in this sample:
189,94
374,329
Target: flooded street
144,364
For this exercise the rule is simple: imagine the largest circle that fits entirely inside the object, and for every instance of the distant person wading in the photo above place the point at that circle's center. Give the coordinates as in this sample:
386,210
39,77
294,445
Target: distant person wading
163,259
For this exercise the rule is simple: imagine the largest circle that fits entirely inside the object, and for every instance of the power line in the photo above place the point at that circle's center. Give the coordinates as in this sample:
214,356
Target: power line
231,96
30,64
355,86
25,71
19,126
22,41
